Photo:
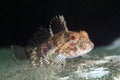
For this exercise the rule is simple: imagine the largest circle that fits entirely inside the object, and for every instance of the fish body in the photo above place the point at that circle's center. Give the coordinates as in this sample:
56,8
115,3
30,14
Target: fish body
64,43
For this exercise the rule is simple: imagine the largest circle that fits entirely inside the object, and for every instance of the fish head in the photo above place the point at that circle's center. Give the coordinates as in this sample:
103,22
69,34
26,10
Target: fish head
84,43
79,44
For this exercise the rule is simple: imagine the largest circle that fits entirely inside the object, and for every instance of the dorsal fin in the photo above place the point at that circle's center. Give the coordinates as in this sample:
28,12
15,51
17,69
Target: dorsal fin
39,36
57,24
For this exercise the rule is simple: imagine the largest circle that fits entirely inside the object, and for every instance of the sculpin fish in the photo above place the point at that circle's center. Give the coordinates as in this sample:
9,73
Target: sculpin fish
62,44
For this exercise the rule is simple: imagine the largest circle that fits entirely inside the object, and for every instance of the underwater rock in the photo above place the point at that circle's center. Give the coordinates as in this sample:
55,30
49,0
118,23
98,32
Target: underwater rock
93,73
114,45
116,78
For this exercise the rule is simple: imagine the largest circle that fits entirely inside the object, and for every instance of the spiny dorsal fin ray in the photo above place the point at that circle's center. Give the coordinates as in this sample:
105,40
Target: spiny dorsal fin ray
51,32
57,24
63,22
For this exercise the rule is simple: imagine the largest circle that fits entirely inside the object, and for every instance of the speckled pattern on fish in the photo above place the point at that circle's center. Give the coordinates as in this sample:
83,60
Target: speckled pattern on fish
62,44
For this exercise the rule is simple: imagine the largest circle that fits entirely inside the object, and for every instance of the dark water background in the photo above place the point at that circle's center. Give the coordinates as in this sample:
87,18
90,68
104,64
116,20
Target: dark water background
20,19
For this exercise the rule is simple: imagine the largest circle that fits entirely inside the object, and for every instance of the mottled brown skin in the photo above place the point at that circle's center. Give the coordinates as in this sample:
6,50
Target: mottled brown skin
57,41
62,39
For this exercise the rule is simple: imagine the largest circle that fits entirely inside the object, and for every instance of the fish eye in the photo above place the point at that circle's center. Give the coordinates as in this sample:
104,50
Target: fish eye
73,37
